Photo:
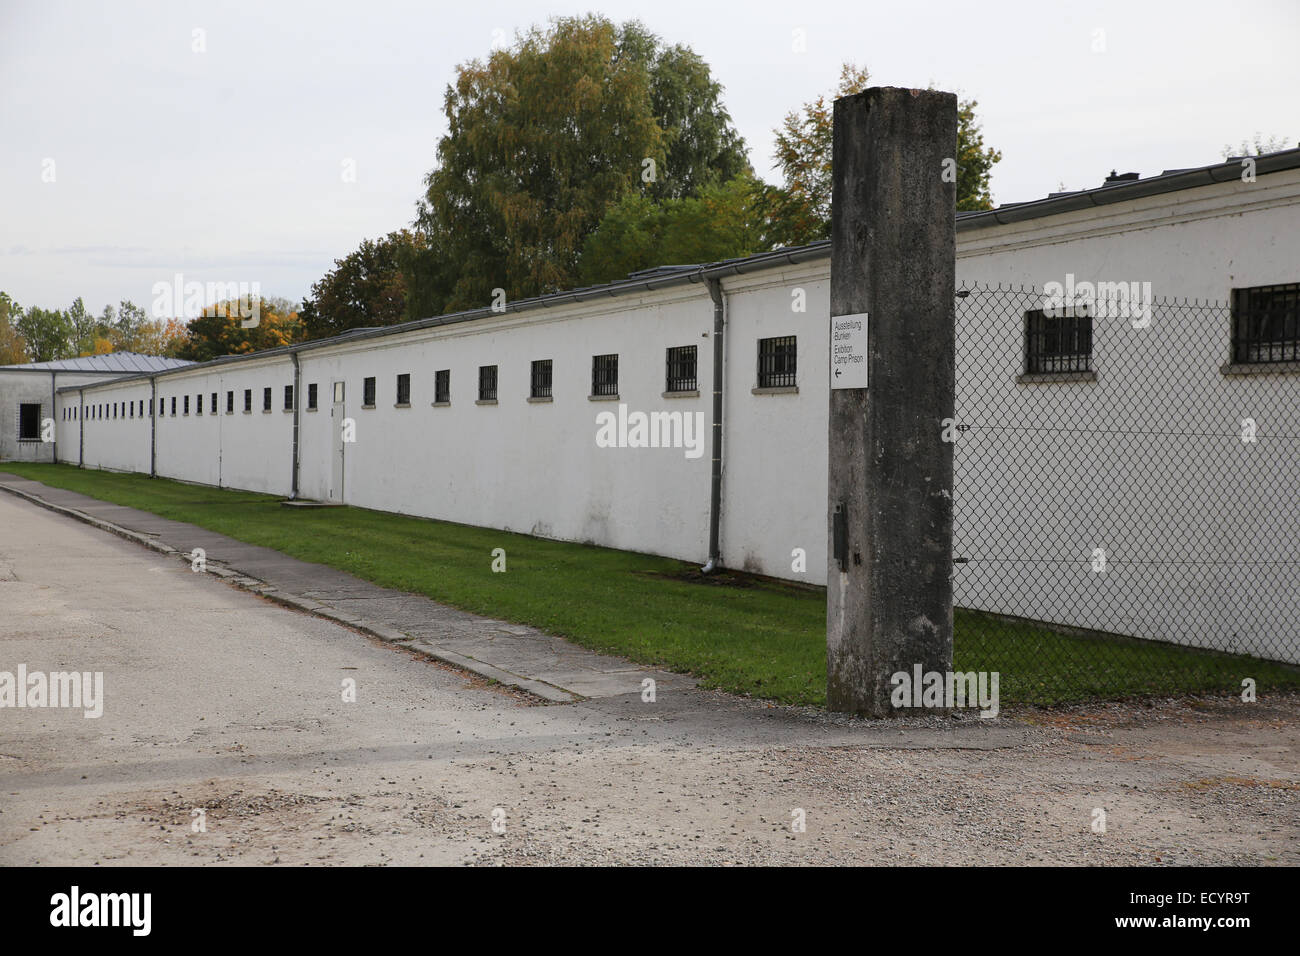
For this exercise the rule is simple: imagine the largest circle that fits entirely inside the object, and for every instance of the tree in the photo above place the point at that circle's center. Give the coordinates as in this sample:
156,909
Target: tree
83,328
365,288
220,331
48,333
131,325
1258,147
13,347
544,138
638,232
799,211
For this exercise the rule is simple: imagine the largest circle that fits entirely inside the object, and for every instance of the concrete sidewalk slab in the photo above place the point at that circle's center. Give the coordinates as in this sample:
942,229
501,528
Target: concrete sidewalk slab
516,655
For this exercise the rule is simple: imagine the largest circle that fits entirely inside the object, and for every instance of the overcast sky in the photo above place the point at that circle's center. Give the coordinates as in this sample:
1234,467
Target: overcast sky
226,165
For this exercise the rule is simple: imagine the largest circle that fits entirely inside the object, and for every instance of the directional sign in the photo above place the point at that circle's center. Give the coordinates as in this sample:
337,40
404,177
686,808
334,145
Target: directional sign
849,351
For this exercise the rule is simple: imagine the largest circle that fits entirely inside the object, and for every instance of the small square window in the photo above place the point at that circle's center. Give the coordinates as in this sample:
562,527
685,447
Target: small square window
680,376
487,383
604,375
1266,324
1058,343
540,380
777,359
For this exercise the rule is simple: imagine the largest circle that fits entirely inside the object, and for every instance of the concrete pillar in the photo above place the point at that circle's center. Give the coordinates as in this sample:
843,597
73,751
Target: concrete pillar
893,245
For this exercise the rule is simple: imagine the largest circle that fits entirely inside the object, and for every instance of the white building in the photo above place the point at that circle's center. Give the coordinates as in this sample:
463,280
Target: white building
28,397
1126,443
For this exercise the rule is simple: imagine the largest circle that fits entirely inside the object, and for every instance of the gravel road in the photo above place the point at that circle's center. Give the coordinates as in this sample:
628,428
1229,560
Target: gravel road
218,701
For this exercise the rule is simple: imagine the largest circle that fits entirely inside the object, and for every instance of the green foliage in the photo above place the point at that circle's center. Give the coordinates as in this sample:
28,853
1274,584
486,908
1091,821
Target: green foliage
799,210
48,333
543,139
638,233
220,330
365,289
13,347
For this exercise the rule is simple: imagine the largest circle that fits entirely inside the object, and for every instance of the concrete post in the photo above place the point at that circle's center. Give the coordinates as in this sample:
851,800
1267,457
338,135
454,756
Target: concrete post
893,245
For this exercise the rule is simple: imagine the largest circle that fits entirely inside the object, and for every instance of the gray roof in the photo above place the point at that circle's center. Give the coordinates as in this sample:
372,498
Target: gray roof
122,363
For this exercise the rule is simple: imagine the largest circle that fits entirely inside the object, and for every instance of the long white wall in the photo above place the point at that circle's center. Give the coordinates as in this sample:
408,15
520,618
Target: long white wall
535,467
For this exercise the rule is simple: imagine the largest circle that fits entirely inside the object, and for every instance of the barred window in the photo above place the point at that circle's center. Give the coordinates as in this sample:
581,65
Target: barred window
442,385
487,383
680,376
1058,343
187,404
368,391
311,395
604,375
404,389
1266,324
540,383
248,399
777,362
29,421
230,402
266,399
198,404
288,398
214,403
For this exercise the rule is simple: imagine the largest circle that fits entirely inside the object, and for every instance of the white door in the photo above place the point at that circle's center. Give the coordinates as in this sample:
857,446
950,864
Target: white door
337,414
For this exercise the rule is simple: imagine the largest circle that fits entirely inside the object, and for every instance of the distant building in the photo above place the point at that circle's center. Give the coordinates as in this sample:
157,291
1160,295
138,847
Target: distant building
27,396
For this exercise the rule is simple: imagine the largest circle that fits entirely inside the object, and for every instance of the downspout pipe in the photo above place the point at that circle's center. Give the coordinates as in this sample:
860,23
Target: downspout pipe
715,487
153,427
297,414
54,399
81,428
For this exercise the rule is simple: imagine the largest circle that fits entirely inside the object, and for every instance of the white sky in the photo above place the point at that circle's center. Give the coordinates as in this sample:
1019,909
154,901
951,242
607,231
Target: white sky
225,165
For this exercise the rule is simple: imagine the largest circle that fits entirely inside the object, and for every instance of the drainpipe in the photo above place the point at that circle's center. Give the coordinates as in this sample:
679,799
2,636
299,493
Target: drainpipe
715,489
54,398
297,412
153,427
81,428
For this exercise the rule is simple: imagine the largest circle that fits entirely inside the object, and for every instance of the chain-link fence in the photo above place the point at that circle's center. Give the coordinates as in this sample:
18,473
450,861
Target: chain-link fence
1125,469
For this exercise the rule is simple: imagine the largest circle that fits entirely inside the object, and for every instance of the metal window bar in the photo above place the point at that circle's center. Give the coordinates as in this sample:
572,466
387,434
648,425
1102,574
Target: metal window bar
604,375
1058,343
777,362
540,383
680,374
1266,324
